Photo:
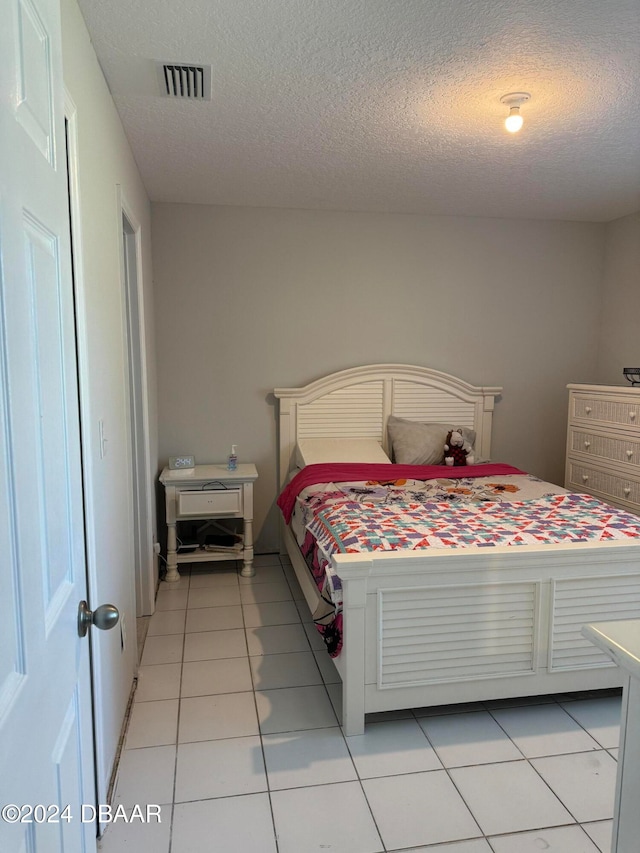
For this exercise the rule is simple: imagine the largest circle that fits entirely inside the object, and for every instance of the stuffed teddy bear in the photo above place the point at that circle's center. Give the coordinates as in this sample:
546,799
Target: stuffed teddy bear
457,450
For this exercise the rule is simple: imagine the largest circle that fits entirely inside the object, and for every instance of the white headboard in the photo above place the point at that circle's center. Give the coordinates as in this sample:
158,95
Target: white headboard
357,402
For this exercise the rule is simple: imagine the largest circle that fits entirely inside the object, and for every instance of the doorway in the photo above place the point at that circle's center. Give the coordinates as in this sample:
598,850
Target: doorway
146,572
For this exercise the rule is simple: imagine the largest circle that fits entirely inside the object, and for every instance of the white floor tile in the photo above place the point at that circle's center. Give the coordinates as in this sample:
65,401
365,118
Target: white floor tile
518,702
441,710
270,613
166,649
327,667
391,748
152,724
218,596
208,677
263,592
137,837
295,669
315,757
277,639
508,797
215,578
220,768
214,717
168,600
386,716
584,781
142,626
475,845
303,609
601,832
544,730
211,645
294,585
220,826
296,592
166,622
264,560
146,776
600,717
335,697
473,738
221,782
294,709
161,681
418,809
214,618
562,839
325,817
176,586
264,574
315,639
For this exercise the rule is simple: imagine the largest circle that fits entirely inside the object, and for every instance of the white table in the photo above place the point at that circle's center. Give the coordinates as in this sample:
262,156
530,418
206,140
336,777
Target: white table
209,492
621,641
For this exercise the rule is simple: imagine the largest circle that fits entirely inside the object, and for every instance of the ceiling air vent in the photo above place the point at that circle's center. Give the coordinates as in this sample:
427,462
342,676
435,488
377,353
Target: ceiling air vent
185,81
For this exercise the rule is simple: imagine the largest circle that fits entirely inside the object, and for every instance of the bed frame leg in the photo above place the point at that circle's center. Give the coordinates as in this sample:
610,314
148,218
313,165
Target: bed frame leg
354,603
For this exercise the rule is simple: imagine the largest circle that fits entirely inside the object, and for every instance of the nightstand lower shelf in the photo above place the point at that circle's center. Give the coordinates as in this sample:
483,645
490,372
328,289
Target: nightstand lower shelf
208,555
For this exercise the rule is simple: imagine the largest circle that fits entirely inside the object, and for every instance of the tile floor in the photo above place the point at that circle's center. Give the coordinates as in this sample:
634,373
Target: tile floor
235,732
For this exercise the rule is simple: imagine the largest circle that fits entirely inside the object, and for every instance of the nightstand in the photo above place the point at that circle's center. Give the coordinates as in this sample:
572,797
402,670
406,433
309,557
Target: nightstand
209,493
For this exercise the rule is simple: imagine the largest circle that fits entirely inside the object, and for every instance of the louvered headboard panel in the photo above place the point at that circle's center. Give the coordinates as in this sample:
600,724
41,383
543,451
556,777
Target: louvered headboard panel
356,403
353,412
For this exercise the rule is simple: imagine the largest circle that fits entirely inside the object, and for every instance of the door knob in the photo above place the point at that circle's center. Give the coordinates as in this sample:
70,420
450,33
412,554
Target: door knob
104,617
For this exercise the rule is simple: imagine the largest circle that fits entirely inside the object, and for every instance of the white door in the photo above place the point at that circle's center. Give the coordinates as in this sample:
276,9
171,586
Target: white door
46,750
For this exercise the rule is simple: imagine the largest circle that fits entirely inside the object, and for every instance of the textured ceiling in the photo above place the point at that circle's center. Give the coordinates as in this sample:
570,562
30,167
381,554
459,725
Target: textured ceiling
383,105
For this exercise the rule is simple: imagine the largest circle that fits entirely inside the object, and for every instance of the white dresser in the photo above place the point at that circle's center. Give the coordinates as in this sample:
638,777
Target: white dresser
603,444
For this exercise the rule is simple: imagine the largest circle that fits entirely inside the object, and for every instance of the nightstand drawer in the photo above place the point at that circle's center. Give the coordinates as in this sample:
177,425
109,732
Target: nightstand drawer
606,410
207,503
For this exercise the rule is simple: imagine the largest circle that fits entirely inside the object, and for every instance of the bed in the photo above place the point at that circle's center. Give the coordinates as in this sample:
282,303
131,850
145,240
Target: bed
440,626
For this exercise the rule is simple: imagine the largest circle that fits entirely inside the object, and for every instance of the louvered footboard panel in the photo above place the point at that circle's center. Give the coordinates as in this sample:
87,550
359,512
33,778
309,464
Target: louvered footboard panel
580,601
450,633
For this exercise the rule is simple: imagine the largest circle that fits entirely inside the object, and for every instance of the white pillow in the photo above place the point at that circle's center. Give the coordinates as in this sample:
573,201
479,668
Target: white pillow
310,451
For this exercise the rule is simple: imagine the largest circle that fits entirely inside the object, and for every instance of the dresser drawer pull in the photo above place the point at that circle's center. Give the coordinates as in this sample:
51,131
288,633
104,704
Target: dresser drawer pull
587,409
585,478
629,454
632,416
627,491
587,445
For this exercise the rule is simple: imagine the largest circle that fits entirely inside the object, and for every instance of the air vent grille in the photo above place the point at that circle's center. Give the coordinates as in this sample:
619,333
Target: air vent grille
185,81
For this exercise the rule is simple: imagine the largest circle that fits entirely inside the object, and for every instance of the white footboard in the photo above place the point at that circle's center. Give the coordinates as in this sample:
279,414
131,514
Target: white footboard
435,627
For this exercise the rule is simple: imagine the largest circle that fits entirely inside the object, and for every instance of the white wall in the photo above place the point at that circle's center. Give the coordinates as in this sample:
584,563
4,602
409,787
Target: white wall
620,331
105,161
249,299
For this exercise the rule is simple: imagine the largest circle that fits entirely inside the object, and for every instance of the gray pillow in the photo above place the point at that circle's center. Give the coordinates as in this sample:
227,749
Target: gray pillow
414,443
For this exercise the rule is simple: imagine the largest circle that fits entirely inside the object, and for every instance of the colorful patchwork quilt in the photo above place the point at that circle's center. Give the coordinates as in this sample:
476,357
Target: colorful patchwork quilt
350,527
440,513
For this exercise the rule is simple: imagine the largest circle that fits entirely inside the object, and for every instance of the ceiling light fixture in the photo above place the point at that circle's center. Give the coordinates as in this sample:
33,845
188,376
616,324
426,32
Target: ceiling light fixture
514,101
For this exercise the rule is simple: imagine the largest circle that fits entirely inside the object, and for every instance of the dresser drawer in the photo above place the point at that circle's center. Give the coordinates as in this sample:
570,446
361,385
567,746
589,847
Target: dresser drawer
603,446
606,410
210,502
609,486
